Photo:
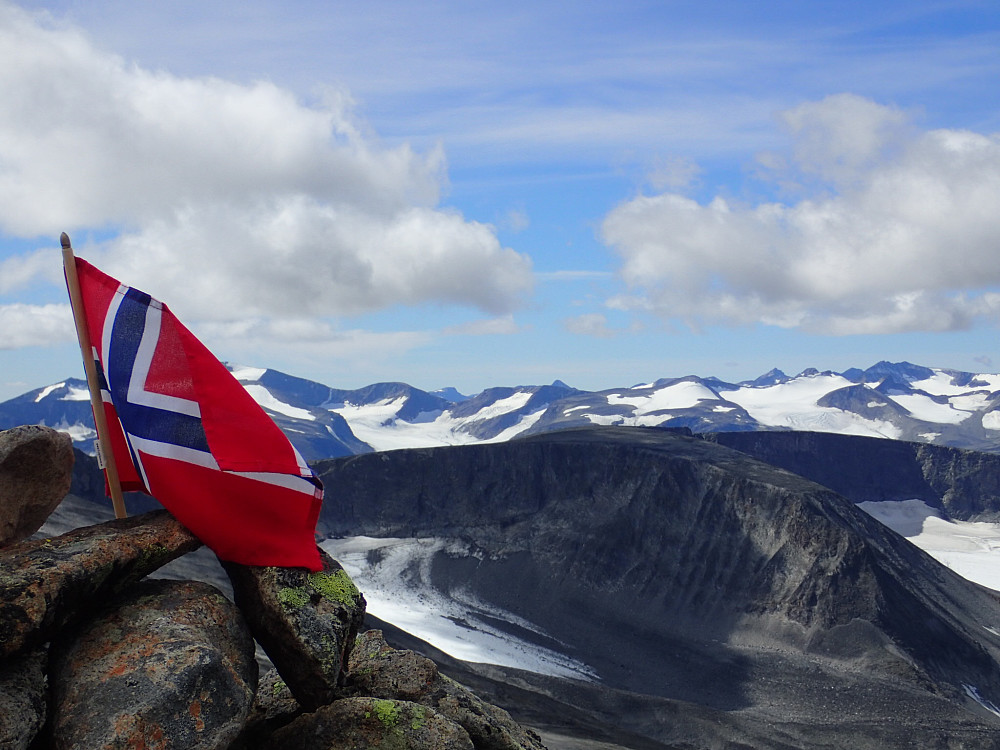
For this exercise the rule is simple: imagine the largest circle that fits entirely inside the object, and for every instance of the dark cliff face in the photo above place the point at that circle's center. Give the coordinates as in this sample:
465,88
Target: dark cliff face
965,484
677,567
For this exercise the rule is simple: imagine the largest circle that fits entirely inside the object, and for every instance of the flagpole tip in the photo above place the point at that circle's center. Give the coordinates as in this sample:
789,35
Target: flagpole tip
64,240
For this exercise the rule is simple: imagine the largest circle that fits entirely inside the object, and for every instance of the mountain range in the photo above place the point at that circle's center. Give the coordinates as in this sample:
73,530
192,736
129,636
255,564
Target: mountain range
899,401
619,571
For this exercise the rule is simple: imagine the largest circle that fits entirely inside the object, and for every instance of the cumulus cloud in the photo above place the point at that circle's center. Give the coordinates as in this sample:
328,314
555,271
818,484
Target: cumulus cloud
843,137
24,325
899,232
22,270
574,275
226,200
293,256
505,325
315,339
672,173
589,324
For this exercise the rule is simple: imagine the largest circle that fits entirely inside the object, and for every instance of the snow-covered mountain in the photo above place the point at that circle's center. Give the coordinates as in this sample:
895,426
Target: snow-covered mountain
64,406
900,401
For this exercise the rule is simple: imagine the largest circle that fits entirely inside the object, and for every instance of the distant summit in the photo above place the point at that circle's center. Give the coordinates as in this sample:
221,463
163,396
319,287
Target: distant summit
772,377
450,394
898,370
901,401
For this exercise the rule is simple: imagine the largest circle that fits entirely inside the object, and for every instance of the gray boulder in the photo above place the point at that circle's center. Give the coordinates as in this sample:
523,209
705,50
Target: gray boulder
23,699
274,707
306,623
172,665
377,669
46,584
367,723
36,469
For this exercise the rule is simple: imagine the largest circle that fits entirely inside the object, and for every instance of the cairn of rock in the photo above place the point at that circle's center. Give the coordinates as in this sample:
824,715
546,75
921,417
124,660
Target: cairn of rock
95,655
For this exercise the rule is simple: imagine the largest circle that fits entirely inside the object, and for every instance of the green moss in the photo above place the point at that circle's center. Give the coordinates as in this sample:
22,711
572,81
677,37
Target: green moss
278,687
387,713
419,718
293,597
336,586
154,555
330,654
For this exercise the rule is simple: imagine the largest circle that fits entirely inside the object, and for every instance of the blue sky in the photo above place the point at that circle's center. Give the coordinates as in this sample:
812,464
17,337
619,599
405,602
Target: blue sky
479,194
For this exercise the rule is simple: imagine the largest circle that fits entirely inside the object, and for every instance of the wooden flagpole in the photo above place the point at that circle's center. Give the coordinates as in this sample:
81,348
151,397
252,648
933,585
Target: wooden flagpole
105,452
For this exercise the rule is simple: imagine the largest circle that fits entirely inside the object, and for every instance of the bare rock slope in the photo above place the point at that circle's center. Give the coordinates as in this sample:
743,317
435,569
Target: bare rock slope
718,599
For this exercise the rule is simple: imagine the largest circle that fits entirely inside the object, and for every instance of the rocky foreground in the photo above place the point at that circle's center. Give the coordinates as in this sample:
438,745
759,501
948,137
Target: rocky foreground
93,654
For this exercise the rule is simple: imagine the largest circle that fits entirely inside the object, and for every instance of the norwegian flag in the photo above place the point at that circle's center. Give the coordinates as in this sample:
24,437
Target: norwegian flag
186,432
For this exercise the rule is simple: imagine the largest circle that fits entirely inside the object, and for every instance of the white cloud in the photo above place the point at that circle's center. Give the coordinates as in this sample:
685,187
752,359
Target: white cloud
569,275
24,325
294,256
20,271
674,173
843,137
502,326
231,199
307,337
589,324
901,233
516,220
312,348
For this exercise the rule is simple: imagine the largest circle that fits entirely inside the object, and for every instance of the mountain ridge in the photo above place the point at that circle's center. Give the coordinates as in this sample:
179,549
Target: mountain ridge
692,573
901,401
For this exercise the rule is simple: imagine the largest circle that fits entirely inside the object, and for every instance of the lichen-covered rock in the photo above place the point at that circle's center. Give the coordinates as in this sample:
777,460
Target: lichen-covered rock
376,669
46,584
367,723
306,623
23,699
274,707
36,470
172,665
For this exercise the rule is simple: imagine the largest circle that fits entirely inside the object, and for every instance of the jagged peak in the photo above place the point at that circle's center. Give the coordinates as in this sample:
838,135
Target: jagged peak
774,376
906,370
449,393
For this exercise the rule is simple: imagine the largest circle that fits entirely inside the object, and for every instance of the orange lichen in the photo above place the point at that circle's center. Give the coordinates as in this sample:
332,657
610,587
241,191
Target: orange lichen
195,710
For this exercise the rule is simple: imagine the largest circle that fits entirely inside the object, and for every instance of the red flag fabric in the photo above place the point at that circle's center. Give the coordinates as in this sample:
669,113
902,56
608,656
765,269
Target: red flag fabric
185,431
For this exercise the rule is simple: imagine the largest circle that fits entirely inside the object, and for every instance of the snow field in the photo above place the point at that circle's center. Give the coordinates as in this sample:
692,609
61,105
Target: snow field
262,396
681,395
378,424
394,576
971,549
794,405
